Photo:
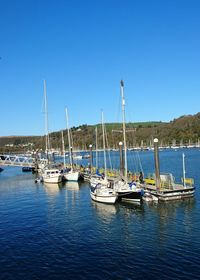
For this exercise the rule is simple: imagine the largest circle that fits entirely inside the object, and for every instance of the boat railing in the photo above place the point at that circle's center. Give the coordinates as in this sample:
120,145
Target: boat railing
188,181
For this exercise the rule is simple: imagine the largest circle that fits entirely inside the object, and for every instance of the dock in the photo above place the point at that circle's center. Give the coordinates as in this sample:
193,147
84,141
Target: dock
175,192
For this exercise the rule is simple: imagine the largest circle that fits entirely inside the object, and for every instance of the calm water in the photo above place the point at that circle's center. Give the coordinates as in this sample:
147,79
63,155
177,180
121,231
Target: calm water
57,232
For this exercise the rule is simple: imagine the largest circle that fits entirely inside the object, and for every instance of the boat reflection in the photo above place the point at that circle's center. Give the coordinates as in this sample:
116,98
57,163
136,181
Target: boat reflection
73,186
106,211
72,193
52,189
130,209
132,205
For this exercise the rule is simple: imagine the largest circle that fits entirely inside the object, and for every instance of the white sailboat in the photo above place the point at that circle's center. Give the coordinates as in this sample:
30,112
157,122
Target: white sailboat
126,192
98,178
100,190
103,194
72,174
49,174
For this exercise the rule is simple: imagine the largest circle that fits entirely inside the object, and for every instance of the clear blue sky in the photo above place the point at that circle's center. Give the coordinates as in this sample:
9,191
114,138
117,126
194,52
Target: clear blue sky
84,48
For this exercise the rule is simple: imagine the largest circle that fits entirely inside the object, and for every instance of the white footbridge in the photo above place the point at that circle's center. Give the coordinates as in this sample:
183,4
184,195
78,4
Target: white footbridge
17,160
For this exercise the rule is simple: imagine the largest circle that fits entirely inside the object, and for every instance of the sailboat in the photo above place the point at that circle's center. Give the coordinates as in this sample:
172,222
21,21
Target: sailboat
72,174
126,192
99,178
100,190
50,174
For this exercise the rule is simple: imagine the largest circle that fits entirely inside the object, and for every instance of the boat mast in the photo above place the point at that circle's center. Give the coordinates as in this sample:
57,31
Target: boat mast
96,149
157,164
104,144
69,141
46,122
184,170
63,148
124,129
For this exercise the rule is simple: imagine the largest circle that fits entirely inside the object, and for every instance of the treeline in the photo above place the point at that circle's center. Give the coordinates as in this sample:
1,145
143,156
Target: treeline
183,130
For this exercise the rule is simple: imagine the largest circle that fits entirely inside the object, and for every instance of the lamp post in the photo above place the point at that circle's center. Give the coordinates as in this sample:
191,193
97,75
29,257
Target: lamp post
121,158
91,159
157,163
183,155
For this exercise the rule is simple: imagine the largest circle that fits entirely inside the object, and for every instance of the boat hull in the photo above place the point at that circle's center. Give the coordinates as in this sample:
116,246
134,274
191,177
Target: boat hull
27,169
148,197
53,179
103,194
130,196
109,199
72,176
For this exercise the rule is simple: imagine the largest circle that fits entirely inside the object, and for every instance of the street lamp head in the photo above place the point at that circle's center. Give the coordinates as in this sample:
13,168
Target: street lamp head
120,143
155,140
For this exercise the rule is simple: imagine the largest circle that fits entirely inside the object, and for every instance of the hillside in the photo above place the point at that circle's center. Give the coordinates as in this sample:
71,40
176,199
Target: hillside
183,130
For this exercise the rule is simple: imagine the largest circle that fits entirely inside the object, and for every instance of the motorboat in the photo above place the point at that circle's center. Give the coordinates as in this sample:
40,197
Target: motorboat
128,192
27,169
52,175
77,157
149,197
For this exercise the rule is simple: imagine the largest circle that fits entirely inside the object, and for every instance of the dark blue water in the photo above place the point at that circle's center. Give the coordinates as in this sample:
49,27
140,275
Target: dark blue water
57,232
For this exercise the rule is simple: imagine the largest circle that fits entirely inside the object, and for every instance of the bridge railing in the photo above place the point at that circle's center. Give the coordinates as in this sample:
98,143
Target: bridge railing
15,160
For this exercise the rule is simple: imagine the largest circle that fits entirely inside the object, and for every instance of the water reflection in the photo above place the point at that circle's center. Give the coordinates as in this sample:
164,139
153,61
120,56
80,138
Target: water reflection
52,189
105,211
72,186
130,210
72,194
167,210
173,217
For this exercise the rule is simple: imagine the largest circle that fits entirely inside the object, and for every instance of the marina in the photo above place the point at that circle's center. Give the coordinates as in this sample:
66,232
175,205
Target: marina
83,197
39,220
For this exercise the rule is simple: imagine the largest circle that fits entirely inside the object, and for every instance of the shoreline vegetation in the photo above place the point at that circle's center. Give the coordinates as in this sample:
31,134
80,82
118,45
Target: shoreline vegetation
183,131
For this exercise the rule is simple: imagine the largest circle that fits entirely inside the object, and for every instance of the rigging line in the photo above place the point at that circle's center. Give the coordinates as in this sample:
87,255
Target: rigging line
134,162
72,146
140,164
72,143
104,144
119,109
108,149
42,106
112,139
